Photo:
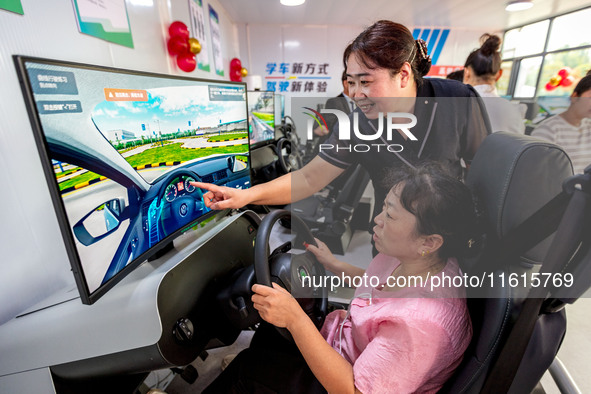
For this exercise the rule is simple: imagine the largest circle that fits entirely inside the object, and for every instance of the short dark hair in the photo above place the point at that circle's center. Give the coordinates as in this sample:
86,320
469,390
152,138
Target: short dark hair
440,203
486,60
389,45
344,75
583,85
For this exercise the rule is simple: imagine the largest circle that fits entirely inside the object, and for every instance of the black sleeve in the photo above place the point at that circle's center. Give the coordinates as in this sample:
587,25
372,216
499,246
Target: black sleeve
339,103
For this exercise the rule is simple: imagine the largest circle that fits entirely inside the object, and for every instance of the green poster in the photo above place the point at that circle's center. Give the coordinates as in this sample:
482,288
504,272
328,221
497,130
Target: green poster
12,5
216,41
104,19
198,28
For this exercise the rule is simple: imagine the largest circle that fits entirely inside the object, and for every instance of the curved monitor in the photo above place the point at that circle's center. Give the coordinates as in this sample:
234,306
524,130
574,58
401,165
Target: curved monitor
120,149
261,117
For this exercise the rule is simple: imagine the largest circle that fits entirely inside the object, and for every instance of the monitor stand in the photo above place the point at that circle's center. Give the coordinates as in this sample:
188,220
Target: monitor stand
161,252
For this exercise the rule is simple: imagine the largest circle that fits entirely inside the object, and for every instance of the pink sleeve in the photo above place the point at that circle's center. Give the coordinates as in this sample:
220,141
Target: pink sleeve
402,358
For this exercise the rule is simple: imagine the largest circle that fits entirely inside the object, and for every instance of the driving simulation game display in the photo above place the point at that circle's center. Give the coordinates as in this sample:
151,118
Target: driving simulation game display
124,148
261,116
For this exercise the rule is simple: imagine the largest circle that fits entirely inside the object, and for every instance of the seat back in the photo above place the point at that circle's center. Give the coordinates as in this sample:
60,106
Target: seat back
511,177
350,193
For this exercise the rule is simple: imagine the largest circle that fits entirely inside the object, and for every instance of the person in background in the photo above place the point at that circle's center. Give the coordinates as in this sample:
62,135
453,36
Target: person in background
342,102
572,129
482,70
397,337
457,75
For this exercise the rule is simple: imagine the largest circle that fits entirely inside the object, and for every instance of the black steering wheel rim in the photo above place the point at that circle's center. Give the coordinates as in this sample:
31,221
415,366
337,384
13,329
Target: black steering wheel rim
261,260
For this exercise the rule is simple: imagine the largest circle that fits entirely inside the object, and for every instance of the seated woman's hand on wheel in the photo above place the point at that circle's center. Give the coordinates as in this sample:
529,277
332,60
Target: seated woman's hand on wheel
324,255
222,197
276,305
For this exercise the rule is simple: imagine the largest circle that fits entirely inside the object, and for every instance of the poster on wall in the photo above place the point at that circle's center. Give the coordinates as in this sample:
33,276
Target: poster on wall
12,5
216,41
198,28
297,77
104,19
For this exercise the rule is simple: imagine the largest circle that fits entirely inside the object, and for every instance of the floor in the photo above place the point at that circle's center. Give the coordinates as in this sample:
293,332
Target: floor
574,352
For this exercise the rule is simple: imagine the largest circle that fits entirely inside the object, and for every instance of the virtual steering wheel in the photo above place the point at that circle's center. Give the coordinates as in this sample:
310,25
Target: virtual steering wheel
290,270
182,209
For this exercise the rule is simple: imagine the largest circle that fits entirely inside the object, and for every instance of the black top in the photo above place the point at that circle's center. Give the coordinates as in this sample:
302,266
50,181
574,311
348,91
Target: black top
451,124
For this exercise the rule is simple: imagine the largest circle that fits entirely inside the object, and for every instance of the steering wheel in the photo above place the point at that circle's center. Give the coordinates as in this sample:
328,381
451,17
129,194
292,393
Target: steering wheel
183,209
291,160
289,270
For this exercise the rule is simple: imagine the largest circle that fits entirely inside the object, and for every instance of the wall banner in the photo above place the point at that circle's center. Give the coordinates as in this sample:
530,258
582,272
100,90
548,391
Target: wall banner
216,41
198,28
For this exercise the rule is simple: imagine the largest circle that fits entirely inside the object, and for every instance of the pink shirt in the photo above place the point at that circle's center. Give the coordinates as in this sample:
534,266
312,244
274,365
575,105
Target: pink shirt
410,343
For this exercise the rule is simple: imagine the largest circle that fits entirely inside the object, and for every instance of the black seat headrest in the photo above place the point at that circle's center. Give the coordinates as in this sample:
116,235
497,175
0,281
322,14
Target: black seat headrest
512,176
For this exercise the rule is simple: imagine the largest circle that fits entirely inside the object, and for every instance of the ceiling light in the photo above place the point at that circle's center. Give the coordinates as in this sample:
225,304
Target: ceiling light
292,3
519,5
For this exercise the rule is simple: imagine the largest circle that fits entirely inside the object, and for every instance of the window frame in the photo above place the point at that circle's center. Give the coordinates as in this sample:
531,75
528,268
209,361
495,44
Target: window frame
517,59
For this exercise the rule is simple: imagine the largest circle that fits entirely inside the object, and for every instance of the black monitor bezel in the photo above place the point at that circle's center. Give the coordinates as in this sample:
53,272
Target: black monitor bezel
86,296
259,144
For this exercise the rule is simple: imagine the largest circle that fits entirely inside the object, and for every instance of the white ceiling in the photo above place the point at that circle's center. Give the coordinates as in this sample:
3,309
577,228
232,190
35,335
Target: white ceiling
469,14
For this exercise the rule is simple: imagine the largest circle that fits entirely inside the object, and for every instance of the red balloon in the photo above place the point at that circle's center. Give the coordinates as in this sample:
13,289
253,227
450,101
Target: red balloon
235,64
566,82
564,72
186,63
235,75
178,46
178,29
550,87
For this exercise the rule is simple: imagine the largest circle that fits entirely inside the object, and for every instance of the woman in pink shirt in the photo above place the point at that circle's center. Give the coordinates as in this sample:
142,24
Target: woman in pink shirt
406,331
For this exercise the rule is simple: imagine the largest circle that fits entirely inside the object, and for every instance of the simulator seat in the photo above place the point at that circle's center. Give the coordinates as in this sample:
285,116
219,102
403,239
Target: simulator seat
330,217
512,176
264,165
279,158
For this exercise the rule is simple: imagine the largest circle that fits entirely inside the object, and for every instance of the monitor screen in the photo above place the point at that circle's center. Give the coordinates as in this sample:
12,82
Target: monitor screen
120,149
261,118
279,109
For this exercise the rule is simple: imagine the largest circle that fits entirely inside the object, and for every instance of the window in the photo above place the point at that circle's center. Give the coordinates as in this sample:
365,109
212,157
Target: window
578,61
570,31
538,51
526,40
527,77
503,82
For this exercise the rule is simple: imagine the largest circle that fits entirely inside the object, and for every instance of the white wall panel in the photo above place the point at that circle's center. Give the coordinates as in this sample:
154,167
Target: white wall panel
459,44
264,44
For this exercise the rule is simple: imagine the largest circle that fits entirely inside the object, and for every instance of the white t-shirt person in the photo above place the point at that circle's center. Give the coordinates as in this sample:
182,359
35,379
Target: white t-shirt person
576,141
503,114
